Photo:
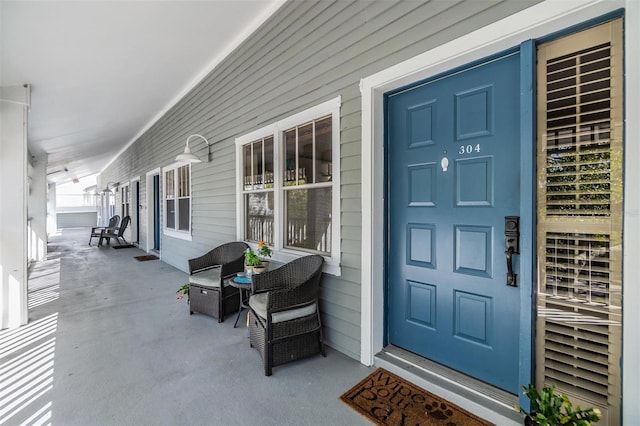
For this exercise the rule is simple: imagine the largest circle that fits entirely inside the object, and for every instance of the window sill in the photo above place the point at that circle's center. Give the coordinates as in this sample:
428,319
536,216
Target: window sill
331,266
182,235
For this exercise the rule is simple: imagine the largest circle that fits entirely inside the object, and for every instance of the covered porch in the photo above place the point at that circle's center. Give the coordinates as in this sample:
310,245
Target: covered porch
108,343
103,339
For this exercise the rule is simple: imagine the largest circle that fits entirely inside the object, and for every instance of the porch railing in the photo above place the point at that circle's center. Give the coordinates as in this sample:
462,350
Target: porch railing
299,233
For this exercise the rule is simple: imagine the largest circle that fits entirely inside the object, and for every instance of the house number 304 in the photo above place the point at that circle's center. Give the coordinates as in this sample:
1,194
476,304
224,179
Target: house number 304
469,149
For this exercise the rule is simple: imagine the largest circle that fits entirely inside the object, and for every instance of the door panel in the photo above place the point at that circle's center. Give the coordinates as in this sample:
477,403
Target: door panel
453,176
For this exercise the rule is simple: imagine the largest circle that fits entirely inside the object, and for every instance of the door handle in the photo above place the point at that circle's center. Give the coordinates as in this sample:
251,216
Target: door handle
512,246
511,277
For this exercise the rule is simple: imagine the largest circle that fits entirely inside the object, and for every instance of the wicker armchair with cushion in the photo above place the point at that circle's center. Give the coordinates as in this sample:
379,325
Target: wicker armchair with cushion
209,291
285,318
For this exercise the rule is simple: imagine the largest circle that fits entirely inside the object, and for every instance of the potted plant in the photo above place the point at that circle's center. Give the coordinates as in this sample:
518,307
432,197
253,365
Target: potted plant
252,262
551,409
265,251
183,291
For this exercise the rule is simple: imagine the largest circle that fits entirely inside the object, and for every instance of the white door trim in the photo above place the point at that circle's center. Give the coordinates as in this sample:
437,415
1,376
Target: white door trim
149,204
134,207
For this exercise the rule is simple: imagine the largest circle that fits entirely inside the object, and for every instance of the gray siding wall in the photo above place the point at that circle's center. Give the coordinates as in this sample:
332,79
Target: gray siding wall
306,53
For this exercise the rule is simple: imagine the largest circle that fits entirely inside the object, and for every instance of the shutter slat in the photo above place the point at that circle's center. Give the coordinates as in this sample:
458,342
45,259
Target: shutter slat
560,189
561,328
597,363
579,385
596,375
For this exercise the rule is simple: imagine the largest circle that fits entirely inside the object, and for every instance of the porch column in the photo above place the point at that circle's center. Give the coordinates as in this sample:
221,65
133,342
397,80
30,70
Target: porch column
52,209
13,206
38,209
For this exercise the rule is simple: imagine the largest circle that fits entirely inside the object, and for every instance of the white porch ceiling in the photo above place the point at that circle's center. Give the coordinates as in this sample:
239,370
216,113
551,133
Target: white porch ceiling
102,71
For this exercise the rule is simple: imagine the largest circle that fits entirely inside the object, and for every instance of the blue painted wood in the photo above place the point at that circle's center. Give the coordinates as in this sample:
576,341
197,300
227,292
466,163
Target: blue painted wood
451,303
609,16
527,214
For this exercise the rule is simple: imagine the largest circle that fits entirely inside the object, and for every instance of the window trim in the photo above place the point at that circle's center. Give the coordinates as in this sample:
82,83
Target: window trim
124,202
281,254
175,233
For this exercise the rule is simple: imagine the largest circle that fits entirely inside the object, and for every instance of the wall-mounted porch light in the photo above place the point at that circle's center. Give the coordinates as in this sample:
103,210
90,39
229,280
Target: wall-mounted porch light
188,157
106,189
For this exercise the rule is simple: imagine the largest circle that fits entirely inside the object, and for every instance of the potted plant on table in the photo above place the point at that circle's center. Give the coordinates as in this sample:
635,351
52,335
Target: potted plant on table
551,409
265,251
252,263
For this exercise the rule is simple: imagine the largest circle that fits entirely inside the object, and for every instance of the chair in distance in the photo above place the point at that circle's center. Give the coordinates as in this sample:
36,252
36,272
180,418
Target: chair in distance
285,316
209,275
97,231
116,232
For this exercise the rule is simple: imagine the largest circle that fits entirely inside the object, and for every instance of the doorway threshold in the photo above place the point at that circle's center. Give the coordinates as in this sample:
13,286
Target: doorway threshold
481,399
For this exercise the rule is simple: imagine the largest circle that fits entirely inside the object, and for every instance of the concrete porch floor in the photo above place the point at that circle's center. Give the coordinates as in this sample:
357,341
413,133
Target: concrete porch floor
108,344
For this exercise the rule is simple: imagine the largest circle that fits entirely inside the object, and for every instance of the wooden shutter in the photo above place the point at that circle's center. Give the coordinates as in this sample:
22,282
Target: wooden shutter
578,341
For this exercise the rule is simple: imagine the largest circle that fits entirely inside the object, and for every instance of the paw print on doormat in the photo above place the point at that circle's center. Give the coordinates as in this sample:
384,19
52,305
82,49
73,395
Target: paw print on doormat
439,410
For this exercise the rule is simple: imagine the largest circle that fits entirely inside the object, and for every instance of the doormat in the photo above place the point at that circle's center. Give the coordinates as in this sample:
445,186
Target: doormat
123,246
146,257
387,399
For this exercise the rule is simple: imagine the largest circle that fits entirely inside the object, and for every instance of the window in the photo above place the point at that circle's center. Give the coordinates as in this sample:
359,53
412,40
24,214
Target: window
259,190
288,194
177,201
110,202
106,207
125,197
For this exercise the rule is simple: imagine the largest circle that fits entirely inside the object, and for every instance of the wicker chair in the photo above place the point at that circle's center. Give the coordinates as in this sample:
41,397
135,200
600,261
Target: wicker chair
285,317
209,292
97,231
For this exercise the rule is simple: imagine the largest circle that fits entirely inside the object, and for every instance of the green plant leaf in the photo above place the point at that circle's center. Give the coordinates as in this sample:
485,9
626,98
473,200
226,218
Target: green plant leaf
553,409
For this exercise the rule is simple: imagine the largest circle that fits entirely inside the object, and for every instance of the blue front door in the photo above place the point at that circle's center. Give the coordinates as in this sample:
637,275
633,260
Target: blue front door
453,160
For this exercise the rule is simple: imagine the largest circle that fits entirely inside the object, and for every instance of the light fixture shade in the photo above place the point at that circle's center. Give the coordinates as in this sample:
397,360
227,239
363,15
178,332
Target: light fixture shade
106,189
187,156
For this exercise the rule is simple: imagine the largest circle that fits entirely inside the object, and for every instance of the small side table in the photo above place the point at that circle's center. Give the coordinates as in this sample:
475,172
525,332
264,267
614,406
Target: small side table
244,285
